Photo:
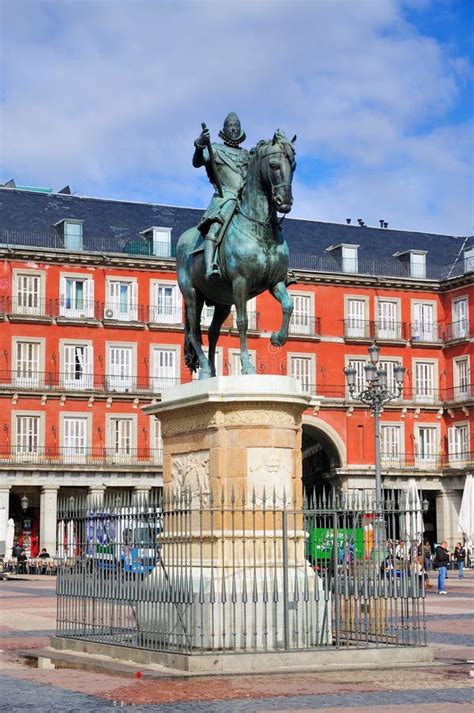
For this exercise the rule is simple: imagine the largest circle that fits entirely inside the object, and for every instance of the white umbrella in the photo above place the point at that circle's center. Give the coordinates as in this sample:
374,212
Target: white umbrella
9,538
466,512
414,527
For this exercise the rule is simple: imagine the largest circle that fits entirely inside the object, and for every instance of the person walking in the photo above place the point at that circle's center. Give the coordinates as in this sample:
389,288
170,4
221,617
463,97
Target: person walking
427,555
441,562
459,558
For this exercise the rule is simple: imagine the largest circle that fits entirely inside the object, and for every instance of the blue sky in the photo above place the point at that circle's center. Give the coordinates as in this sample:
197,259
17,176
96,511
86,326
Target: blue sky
108,95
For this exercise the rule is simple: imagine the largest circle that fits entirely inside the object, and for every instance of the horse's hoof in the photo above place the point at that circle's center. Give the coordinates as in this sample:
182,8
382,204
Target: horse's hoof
249,370
277,339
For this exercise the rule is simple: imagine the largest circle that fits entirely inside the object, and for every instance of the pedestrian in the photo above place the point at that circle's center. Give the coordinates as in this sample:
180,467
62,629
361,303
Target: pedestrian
16,549
427,552
21,562
441,562
43,556
459,558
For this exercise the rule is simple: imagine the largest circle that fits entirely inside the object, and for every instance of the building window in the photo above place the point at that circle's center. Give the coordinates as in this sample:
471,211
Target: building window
73,235
120,373
388,319
121,439
391,445
76,371
166,303
74,438
426,447
156,441
159,240
302,369
121,301
164,368
418,264
28,295
302,318
356,324
460,326
360,380
469,260
388,365
350,259
27,365
28,437
234,366
458,444
424,377
424,325
76,297
461,378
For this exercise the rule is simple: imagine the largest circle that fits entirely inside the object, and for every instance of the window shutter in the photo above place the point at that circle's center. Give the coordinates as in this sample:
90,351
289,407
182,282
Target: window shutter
133,300
356,318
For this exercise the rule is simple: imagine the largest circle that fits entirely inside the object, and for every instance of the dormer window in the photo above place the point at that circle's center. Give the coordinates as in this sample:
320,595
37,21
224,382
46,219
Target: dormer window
71,233
469,260
159,240
416,259
348,255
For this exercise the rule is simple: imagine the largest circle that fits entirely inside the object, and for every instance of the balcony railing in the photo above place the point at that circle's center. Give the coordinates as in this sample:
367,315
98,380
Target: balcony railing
25,379
457,330
382,330
429,333
65,455
29,306
303,325
413,461
128,245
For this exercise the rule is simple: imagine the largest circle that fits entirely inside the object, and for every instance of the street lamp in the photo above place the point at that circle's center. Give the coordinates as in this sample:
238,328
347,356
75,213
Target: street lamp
375,395
24,503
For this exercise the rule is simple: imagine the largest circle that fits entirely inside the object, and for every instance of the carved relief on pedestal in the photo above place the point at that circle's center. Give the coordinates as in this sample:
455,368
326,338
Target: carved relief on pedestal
259,417
270,469
196,421
190,471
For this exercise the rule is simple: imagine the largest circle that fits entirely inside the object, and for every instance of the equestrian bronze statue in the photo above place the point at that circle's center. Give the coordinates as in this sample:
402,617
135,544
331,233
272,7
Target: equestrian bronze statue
237,250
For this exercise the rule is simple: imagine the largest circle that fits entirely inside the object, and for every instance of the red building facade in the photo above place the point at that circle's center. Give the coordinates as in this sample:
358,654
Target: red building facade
89,336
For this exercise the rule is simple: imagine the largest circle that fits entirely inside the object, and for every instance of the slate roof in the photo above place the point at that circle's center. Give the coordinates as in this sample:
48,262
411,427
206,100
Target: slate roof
109,224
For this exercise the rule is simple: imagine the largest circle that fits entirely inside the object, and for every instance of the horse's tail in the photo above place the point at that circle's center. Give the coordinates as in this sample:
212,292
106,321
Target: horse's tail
191,358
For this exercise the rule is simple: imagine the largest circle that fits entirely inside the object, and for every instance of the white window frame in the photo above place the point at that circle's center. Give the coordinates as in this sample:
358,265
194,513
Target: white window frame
418,264
69,380
26,302
119,454
388,327
159,382
431,395
460,323
423,330
159,238
20,452
171,313
358,363
469,260
302,321
71,241
461,385
308,384
73,312
427,461
350,258
118,382
394,454
113,306
233,360
156,440
356,327
458,446
75,453
389,363
22,375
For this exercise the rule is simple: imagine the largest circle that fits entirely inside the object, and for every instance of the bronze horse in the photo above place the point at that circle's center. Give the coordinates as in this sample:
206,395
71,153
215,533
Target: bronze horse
253,258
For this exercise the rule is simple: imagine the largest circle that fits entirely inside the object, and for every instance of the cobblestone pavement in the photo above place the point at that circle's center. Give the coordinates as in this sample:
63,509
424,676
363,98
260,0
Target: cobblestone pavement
27,618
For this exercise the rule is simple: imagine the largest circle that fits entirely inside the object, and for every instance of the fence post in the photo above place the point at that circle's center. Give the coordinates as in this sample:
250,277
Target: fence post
286,622
337,612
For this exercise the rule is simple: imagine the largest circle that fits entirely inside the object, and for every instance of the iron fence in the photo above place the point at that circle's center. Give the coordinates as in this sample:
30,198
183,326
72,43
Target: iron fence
195,573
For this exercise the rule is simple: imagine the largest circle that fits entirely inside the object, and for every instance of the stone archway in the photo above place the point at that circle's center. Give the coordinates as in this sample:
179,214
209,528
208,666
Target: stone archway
323,451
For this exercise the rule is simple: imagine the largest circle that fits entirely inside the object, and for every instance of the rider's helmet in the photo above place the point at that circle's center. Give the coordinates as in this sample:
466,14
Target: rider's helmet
232,133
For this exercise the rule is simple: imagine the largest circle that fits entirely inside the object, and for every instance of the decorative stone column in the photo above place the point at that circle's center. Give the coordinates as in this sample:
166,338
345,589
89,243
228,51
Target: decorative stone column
140,494
48,513
4,515
95,495
448,504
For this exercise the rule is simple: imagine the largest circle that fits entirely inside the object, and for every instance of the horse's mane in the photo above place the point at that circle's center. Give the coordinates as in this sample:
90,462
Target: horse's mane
279,138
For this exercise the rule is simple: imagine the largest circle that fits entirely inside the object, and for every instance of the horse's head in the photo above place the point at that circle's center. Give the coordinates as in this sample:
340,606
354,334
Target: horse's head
277,168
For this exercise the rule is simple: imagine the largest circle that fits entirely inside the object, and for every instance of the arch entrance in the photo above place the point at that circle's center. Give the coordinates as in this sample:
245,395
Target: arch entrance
321,456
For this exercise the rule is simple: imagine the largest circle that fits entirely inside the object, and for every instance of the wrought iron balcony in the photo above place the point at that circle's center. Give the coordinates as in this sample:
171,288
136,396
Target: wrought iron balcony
426,333
457,331
77,455
302,325
30,380
428,461
382,330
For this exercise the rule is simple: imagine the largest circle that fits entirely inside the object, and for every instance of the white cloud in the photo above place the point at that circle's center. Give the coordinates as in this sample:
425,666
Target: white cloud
108,97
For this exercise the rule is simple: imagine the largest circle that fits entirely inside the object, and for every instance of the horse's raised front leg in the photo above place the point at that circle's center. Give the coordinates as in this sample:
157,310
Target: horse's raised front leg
240,293
194,303
280,293
221,312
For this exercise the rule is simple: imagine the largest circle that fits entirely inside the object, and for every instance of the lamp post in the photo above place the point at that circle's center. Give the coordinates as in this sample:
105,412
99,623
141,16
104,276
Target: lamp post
375,396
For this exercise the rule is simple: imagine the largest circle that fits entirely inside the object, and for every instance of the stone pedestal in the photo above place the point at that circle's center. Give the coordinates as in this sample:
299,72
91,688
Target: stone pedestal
235,549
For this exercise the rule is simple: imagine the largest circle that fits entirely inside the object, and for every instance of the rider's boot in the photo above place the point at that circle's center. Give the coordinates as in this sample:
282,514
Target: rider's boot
210,249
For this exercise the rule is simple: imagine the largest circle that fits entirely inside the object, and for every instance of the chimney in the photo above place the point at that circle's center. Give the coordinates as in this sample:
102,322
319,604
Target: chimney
348,221
361,222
